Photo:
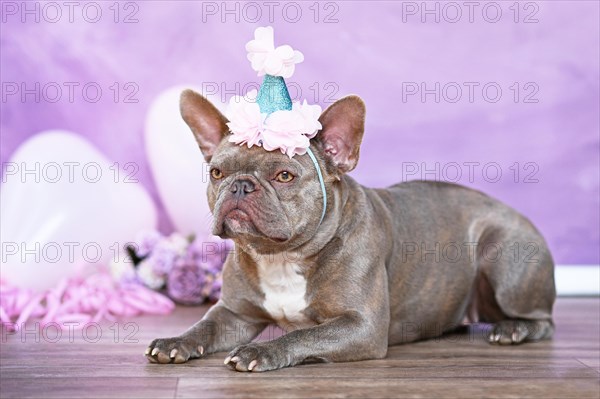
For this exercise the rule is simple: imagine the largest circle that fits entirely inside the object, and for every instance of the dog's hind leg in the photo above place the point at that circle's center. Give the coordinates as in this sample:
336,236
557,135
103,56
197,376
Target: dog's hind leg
515,285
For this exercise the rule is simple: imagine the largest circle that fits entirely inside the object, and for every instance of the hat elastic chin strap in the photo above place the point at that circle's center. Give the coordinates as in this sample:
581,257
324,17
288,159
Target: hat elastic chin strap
321,182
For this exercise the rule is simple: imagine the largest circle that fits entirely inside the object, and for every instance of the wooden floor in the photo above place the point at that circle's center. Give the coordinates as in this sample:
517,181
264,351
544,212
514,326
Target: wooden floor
455,366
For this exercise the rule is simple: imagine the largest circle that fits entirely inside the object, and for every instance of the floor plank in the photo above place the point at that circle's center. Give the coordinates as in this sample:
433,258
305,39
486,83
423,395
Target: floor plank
387,388
458,365
88,387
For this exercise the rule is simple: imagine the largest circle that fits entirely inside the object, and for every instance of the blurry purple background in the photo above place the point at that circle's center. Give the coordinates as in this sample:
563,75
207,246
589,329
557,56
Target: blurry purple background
376,50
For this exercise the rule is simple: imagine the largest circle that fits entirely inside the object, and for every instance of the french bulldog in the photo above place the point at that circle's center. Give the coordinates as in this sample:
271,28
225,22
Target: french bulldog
383,267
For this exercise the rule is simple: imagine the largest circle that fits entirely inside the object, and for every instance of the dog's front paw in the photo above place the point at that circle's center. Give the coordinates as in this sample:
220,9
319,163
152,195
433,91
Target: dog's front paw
257,357
173,350
507,332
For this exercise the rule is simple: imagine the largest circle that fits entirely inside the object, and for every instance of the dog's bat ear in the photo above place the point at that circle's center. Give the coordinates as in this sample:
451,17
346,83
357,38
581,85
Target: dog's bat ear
205,120
343,127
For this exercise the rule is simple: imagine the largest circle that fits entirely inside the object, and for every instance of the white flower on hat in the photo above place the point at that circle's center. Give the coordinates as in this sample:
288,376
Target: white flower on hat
268,60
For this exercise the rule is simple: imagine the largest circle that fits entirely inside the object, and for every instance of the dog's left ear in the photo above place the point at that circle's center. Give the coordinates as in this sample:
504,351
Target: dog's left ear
343,127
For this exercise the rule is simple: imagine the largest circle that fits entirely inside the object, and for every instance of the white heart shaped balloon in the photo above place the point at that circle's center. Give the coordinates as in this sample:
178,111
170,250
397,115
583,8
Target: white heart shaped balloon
178,167
64,205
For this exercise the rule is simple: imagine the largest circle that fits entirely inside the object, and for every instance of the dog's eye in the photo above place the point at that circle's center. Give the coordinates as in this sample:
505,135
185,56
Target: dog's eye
216,173
285,177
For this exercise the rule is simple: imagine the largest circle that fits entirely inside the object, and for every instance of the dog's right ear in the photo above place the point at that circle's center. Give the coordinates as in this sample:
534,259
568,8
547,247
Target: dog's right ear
205,120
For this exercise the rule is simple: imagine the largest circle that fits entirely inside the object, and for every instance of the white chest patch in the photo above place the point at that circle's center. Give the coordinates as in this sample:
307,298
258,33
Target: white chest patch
285,289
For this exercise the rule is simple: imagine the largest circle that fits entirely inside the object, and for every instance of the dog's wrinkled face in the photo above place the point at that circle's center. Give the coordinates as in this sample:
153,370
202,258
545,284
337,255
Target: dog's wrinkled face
257,195
264,198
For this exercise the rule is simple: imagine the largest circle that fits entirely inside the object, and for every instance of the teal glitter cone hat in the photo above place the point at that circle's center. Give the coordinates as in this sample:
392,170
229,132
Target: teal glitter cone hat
273,95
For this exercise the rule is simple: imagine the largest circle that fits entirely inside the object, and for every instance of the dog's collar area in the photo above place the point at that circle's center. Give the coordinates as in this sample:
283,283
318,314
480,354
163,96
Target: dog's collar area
321,182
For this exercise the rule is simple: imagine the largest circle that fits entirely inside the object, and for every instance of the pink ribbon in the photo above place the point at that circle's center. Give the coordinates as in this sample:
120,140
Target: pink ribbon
81,301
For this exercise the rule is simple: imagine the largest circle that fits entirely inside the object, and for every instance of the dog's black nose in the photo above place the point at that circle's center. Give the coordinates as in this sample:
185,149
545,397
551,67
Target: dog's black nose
241,187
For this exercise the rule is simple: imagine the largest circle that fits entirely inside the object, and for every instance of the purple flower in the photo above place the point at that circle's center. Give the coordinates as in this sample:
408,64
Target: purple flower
161,260
146,241
165,252
196,274
188,283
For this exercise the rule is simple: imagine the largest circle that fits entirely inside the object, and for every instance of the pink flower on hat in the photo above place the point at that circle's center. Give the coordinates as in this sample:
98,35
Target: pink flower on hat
245,119
288,131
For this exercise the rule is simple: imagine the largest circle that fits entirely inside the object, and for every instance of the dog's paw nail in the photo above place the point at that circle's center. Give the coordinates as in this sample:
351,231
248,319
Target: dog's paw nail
227,359
494,338
201,350
173,353
155,351
514,337
235,359
147,352
252,365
